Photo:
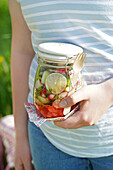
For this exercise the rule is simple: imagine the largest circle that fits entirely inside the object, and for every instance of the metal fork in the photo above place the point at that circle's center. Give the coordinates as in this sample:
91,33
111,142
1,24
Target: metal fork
77,66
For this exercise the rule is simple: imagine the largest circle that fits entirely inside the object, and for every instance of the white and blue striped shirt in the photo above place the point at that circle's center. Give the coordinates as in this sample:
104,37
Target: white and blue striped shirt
89,24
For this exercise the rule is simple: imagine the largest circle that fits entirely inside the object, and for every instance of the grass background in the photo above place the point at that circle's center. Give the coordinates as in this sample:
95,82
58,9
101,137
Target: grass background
5,51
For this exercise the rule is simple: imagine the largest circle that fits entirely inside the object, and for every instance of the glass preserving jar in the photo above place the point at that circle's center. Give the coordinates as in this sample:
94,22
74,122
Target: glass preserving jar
54,78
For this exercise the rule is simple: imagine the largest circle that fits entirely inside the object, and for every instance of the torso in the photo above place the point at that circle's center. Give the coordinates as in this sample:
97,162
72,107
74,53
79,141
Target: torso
88,24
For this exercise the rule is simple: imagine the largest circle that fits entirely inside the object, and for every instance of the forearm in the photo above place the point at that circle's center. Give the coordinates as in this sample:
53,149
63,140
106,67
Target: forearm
108,88
21,56
19,72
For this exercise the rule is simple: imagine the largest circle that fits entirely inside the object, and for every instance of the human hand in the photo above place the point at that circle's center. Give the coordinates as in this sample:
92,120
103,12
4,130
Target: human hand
94,100
23,160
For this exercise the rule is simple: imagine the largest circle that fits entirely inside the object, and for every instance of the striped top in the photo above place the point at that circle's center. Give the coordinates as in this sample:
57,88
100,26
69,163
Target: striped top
89,24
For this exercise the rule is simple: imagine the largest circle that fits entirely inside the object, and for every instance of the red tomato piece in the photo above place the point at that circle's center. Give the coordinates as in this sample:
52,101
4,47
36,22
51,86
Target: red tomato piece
49,115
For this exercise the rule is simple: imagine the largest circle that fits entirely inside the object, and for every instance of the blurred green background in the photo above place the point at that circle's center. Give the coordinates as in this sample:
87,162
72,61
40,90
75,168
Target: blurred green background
5,52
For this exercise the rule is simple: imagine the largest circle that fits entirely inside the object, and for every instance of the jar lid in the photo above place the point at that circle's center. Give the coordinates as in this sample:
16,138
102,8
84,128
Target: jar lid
58,51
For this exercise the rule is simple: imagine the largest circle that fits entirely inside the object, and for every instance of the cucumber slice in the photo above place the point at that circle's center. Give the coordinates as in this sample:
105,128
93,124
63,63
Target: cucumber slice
44,76
37,101
38,84
44,100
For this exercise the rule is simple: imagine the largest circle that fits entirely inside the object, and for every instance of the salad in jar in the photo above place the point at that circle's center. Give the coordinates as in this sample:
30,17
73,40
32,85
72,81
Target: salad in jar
53,82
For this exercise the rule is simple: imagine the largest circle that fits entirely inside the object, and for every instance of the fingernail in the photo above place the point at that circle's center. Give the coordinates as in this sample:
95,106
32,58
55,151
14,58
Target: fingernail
63,103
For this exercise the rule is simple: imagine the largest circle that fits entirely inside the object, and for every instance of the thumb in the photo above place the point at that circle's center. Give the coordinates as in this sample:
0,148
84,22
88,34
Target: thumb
74,98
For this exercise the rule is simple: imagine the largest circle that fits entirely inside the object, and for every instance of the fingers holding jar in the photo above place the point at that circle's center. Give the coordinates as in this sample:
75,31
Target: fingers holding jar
93,105
73,98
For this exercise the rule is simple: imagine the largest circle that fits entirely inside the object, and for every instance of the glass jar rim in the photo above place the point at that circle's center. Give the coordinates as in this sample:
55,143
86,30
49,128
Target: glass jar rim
56,58
58,51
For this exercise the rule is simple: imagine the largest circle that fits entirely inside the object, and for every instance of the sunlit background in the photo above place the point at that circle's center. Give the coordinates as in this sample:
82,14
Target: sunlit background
5,51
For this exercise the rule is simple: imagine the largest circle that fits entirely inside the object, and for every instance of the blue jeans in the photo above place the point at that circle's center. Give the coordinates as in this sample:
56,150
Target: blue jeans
48,157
